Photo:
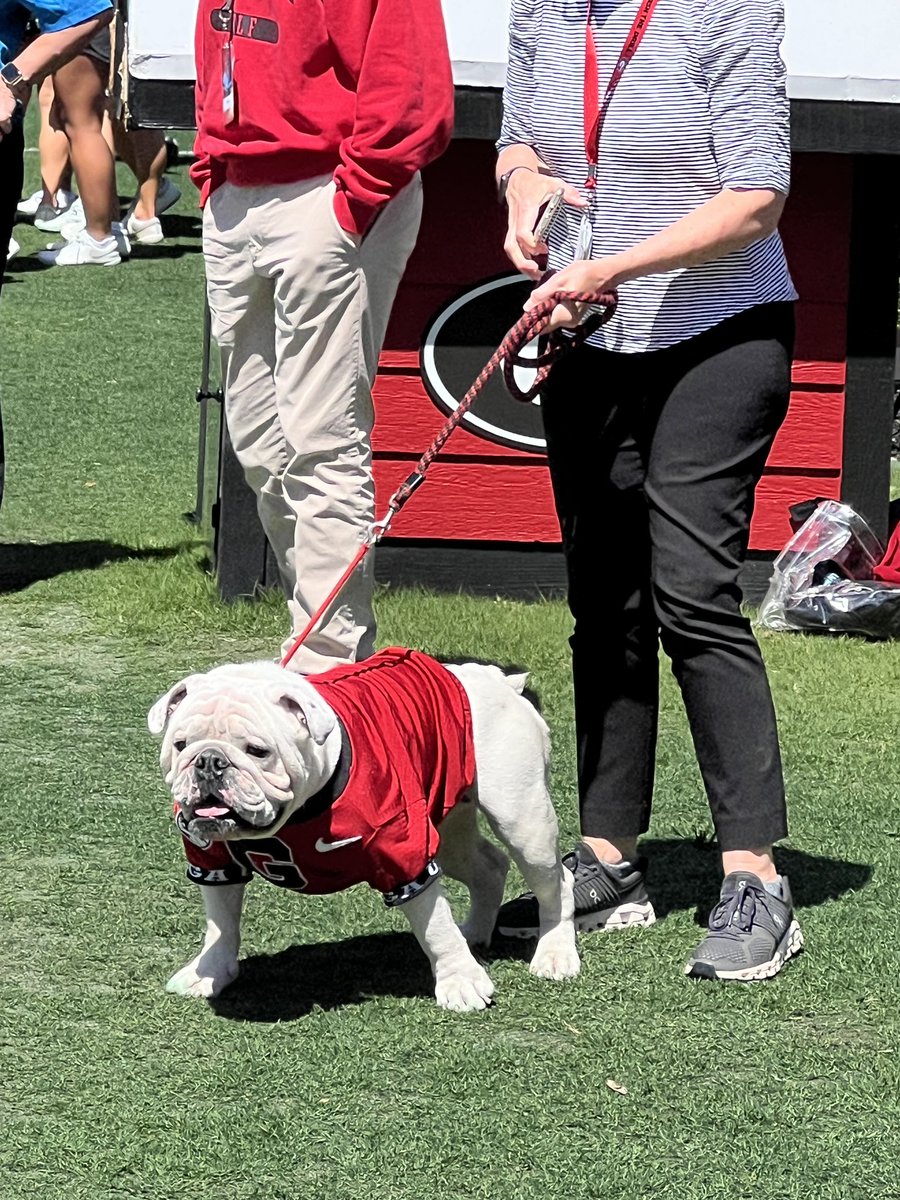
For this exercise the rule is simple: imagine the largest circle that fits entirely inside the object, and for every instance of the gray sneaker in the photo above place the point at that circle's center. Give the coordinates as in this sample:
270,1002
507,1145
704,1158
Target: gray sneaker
607,896
751,934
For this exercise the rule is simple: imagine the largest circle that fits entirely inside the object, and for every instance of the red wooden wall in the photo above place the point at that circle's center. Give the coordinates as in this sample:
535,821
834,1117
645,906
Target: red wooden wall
480,490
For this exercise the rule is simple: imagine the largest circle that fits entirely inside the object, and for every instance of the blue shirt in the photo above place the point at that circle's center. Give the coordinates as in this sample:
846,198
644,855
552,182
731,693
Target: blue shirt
53,16
700,107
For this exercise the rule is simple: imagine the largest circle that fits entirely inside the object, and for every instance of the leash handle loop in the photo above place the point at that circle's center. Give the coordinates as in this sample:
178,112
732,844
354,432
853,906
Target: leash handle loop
556,344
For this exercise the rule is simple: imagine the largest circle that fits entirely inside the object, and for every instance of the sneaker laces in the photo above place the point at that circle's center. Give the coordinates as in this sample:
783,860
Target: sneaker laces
735,914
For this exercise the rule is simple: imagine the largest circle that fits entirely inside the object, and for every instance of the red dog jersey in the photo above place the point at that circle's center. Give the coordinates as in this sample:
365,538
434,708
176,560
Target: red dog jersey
409,728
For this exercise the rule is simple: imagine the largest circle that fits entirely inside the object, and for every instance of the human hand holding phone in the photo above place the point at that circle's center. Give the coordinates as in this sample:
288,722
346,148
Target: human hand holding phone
534,200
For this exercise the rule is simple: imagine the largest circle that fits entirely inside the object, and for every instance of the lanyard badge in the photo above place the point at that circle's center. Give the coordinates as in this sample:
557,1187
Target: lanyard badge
595,110
225,17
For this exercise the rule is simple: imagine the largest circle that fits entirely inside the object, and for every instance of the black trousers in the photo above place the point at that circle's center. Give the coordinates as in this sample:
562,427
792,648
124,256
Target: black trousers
654,459
11,177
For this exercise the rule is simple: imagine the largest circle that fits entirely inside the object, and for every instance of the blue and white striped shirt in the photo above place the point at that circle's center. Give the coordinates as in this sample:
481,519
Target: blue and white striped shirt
700,107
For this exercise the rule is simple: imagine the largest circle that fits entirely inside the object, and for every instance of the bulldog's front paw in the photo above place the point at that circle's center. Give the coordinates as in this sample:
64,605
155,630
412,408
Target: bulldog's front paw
556,957
203,978
465,990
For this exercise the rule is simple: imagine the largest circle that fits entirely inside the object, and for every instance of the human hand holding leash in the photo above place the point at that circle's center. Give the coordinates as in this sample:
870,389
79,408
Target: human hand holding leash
588,275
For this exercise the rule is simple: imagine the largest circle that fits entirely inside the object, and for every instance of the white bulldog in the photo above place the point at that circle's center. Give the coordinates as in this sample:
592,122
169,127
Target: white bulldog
317,783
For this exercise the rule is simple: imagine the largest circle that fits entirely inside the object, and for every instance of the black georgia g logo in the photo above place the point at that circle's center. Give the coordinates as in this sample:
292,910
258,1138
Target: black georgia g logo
457,343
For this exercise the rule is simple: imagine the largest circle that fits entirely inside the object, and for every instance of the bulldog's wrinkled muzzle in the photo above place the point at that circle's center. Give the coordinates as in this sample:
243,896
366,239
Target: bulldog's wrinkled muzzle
210,767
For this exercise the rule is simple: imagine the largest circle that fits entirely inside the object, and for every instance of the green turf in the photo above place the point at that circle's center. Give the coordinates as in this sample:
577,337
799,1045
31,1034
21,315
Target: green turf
327,1072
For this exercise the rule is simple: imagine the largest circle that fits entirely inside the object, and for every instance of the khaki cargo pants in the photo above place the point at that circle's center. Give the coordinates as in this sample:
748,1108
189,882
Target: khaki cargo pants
299,310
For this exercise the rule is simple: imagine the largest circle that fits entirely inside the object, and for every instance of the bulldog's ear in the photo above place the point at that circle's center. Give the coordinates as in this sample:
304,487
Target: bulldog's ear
159,714
304,702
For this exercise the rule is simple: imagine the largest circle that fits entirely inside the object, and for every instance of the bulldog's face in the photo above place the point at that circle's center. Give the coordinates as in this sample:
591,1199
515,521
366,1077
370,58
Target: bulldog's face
243,747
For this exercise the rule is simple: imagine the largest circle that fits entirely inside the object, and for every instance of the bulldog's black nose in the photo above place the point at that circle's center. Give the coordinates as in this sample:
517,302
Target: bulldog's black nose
211,765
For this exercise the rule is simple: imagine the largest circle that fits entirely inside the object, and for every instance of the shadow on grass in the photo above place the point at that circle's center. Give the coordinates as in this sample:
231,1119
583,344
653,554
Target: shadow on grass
290,984
21,565
684,874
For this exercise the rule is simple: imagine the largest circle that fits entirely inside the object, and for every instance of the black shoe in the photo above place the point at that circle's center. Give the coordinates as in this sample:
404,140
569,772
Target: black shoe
751,934
607,896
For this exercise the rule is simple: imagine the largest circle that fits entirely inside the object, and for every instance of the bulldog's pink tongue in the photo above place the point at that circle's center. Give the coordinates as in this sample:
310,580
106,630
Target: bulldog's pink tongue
212,810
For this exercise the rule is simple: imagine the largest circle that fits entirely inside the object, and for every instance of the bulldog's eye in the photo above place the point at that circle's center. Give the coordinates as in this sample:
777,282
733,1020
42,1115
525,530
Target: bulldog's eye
258,751
180,744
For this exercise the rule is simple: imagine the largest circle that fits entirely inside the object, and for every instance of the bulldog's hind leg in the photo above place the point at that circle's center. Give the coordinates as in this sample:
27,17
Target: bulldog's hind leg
217,963
513,754
531,838
460,982
468,856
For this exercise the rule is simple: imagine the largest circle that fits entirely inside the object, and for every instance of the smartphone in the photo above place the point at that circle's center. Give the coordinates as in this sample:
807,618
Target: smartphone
547,215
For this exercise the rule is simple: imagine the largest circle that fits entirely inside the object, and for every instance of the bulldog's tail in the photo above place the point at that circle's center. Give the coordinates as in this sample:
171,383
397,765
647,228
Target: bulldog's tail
514,679
517,682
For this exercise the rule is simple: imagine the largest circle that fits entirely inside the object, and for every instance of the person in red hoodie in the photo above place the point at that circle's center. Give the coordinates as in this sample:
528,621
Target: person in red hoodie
314,122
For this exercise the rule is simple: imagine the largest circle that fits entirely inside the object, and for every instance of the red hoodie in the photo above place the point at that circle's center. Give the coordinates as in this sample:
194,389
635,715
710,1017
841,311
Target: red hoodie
361,89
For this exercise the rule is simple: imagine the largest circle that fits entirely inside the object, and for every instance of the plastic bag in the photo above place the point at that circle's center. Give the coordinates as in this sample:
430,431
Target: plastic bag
810,586
865,606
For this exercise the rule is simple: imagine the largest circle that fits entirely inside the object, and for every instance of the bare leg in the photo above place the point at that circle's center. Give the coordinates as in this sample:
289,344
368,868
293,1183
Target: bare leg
759,861
81,102
621,850
106,126
53,146
217,963
144,150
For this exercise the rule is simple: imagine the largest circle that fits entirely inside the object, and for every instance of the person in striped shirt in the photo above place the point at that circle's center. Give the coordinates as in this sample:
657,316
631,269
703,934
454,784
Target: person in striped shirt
666,125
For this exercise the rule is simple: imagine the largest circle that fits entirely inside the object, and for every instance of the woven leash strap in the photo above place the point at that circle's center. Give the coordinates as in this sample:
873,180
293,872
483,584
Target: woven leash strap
529,326
509,353
558,343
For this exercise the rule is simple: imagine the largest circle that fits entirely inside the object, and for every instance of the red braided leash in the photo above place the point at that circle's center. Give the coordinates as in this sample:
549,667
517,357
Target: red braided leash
529,326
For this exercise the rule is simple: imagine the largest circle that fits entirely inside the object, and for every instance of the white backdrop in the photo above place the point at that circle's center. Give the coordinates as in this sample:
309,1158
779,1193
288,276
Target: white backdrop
834,49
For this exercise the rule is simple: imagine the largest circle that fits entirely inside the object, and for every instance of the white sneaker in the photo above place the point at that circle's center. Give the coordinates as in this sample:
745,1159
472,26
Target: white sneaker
73,223
29,206
13,250
83,251
65,210
123,243
169,193
147,233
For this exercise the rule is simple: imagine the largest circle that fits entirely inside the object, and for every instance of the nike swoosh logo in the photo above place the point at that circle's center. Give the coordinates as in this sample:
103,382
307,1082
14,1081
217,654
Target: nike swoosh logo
323,847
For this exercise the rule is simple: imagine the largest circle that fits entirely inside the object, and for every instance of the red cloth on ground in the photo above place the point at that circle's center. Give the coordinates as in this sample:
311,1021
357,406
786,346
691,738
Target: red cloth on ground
888,569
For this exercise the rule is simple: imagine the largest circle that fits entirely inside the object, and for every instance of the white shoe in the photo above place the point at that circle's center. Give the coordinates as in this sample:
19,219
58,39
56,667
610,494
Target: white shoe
83,251
147,233
13,250
167,195
74,222
123,242
65,210
29,206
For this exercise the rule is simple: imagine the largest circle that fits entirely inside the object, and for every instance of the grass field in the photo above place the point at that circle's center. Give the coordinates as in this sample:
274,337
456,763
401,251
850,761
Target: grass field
327,1073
